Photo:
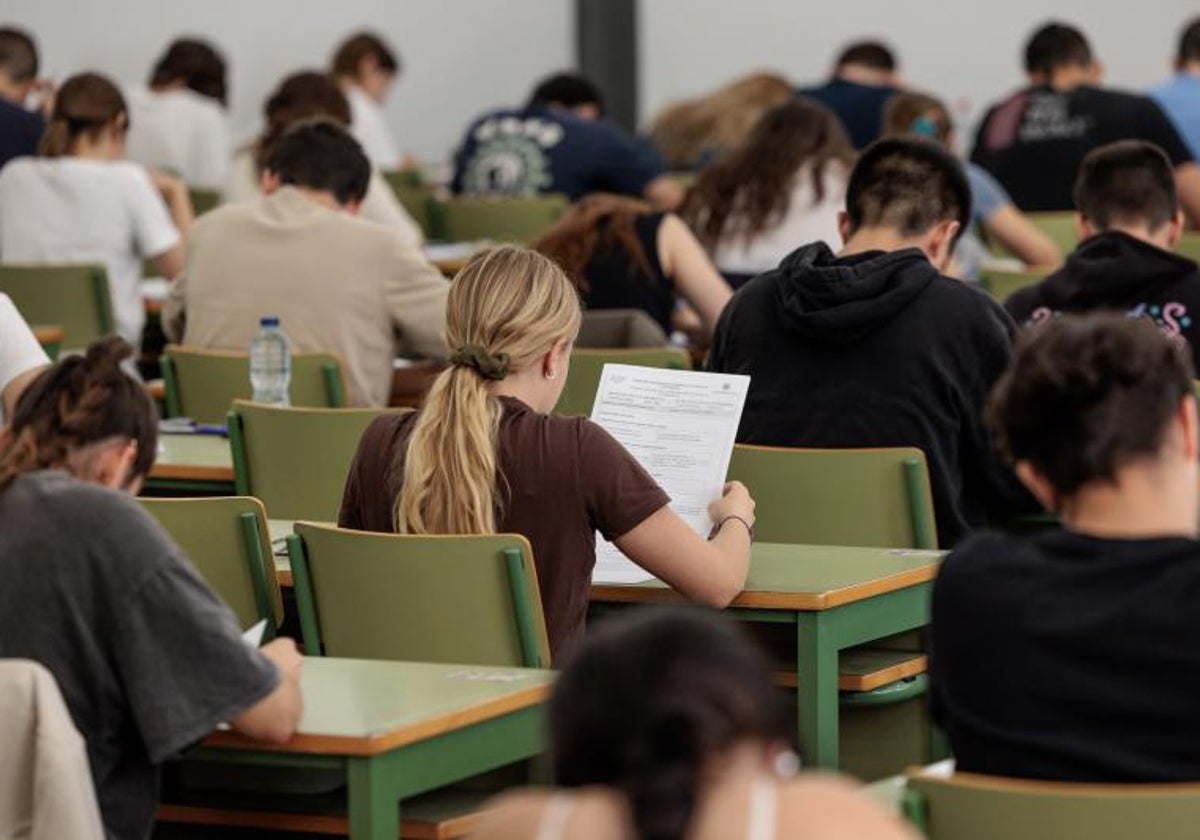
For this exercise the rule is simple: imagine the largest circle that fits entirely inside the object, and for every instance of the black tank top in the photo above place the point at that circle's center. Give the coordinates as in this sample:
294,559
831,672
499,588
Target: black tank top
617,282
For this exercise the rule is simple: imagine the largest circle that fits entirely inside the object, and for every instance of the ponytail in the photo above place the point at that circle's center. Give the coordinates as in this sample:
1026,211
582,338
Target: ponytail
56,140
86,104
506,309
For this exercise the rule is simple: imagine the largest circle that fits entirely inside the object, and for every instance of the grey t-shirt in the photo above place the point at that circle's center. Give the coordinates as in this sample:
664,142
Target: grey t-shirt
148,659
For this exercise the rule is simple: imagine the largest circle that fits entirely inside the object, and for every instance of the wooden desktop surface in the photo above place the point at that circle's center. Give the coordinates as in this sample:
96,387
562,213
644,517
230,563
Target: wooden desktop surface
193,458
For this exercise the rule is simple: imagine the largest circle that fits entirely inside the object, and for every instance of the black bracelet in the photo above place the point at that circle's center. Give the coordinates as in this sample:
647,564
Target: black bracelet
748,526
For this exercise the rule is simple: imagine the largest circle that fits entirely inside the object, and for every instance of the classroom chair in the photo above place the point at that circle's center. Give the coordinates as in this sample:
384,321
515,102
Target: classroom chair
466,599
579,393
295,459
1060,226
608,329
413,195
50,337
75,297
864,497
203,200
1189,246
228,542
1001,284
990,808
202,384
500,218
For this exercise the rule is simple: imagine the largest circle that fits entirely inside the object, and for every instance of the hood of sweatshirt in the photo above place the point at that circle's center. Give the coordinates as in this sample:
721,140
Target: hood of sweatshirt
1110,268
840,300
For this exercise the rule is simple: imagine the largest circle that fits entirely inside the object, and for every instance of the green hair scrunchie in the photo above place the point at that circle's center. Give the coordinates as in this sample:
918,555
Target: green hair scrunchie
488,365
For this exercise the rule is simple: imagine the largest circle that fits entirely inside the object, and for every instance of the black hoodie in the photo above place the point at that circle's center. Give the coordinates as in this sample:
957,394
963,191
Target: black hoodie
1113,270
875,350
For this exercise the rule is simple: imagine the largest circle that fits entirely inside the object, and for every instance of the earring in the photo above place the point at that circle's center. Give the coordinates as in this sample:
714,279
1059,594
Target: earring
550,374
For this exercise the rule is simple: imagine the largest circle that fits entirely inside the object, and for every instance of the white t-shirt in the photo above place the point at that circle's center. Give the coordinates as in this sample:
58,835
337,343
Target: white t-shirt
73,210
370,128
182,131
380,204
807,220
19,349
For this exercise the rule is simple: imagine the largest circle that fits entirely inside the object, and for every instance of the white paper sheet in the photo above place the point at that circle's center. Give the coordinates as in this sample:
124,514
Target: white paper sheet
681,426
254,636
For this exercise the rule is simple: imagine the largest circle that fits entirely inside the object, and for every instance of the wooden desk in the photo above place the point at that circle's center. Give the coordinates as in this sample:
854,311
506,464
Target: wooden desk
399,729
199,465
279,529
51,339
836,598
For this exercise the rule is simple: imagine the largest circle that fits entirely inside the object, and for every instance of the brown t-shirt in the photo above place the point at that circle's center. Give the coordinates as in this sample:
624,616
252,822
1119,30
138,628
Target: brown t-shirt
563,479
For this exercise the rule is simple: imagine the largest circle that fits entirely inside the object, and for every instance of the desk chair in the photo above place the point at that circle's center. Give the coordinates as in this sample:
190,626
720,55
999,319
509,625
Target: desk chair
500,218
228,542
203,200
1189,246
1001,284
202,384
295,459
579,393
608,329
864,497
991,808
1059,226
413,195
468,599
51,338
75,297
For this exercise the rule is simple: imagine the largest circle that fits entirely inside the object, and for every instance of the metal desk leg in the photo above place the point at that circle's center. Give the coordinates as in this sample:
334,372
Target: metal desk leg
374,811
817,671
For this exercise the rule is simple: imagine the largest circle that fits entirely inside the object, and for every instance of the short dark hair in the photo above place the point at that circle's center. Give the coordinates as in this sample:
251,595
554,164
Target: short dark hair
647,701
195,63
18,54
1086,394
569,90
908,184
1189,43
321,155
874,54
1056,45
1127,182
358,46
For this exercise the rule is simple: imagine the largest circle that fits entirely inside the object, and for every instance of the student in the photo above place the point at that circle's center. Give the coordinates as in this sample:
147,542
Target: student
992,211
179,122
559,143
694,132
366,68
1129,220
874,347
483,457
147,657
1069,654
622,255
80,202
20,129
1180,97
864,78
21,357
337,284
1034,141
665,724
782,188
305,96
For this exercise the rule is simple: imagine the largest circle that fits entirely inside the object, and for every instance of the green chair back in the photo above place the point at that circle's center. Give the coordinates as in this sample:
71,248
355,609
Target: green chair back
1189,246
295,459
500,218
1059,226
464,599
414,195
619,329
228,542
202,384
579,393
1001,284
75,297
203,200
983,808
862,497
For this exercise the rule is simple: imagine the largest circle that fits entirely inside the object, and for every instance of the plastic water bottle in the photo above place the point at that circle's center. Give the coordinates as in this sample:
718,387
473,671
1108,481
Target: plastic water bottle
270,363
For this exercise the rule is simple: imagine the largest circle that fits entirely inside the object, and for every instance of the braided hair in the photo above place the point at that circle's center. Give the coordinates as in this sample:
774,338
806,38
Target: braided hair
80,401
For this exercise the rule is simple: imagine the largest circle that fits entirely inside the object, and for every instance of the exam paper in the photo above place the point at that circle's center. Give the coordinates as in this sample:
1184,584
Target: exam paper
681,426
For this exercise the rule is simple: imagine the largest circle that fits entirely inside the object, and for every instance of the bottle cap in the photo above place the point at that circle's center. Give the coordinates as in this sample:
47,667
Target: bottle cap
269,321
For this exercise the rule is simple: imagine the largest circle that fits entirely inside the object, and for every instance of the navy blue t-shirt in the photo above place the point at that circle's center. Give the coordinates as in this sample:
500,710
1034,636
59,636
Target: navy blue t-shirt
20,131
859,107
545,150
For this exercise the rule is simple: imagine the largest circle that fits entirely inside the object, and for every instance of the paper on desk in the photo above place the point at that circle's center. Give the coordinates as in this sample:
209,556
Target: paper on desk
254,636
681,426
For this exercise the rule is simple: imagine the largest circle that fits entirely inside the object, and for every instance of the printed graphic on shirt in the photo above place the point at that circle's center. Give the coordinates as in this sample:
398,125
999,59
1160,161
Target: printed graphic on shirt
1172,318
510,156
1048,118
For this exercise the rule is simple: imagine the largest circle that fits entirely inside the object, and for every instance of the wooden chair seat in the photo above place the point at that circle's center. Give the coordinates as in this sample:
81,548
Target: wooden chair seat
866,669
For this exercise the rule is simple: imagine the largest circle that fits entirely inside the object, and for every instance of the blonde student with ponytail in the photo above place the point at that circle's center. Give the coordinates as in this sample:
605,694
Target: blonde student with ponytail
485,456
79,201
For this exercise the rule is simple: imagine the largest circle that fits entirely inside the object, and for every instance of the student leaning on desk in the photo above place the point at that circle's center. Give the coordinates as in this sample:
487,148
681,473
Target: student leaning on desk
485,442
149,660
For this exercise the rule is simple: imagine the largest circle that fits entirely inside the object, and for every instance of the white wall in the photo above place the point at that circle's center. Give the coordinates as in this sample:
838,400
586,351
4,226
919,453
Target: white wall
966,51
459,57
